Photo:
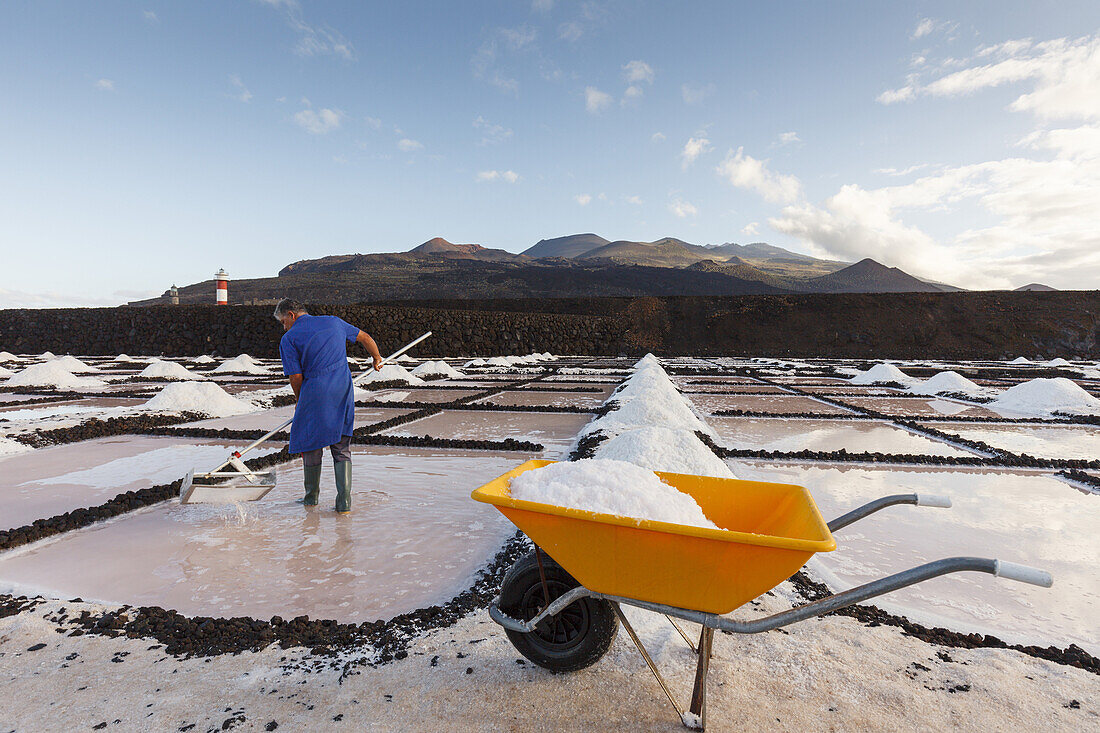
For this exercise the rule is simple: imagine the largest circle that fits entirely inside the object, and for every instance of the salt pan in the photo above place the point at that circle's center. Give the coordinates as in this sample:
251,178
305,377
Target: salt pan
609,487
207,398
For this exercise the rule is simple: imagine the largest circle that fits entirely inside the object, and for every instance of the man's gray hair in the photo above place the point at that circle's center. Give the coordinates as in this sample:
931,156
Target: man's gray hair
288,305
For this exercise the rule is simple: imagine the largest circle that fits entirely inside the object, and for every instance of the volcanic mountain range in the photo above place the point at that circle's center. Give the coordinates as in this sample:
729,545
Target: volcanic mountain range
572,266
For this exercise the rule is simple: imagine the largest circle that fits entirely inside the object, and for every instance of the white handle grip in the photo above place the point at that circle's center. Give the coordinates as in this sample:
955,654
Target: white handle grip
943,502
1023,574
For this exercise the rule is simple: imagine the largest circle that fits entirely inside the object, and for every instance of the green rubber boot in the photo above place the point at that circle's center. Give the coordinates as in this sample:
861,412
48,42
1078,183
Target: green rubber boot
343,486
313,486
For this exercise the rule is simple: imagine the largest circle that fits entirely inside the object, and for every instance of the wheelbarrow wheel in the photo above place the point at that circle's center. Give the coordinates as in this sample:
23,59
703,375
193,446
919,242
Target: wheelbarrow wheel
573,639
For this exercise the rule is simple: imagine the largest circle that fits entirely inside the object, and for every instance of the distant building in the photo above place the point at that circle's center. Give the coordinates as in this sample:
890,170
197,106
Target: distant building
221,288
174,295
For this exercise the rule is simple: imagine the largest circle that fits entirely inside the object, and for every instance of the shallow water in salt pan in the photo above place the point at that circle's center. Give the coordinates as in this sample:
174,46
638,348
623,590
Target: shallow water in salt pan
414,538
918,406
777,434
1046,441
557,399
51,481
554,431
1023,517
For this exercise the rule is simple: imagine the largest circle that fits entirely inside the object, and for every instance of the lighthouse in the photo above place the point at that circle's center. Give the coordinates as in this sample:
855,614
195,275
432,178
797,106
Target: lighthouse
221,280
174,295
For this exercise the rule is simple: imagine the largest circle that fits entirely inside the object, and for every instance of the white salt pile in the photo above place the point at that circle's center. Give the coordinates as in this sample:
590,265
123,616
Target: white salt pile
74,365
1043,397
168,370
1020,360
609,487
406,358
665,449
641,412
243,364
203,359
52,374
11,447
47,355
474,363
389,373
882,373
948,382
7,356
5,372
125,359
204,397
437,368
1058,362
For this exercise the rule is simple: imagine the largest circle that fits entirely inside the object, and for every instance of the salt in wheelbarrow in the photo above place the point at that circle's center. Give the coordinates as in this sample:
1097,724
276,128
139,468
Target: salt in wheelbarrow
257,484
560,605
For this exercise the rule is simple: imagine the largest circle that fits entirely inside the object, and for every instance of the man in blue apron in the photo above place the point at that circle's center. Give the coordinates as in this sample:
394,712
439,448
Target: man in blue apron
315,360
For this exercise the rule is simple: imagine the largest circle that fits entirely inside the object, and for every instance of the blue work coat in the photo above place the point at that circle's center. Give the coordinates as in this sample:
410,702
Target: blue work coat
315,348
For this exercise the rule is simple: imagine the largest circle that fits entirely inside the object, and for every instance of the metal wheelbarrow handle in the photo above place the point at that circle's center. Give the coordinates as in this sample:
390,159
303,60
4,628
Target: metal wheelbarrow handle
933,500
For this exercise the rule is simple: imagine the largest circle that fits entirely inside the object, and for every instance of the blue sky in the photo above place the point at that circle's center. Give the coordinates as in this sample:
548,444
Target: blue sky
146,143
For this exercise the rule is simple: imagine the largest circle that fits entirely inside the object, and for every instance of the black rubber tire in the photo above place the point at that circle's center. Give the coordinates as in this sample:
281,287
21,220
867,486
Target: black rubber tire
575,638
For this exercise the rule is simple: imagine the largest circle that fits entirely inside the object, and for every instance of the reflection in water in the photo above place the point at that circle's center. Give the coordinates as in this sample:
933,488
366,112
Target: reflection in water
1022,517
414,538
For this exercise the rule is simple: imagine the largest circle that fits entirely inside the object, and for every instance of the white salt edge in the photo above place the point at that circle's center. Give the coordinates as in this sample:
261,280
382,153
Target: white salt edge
609,487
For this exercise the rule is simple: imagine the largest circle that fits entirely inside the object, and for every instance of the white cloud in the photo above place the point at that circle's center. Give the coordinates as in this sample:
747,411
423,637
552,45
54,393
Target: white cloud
693,148
319,122
542,6
373,123
751,229
634,200
518,38
506,176
902,171
313,40
788,138
583,199
149,16
696,93
637,71
657,137
241,94
1063,77
491,133
744,171
682,209
485,66
924,27
632,92
571,31
596,101
591,15
892,96
105,85
407,146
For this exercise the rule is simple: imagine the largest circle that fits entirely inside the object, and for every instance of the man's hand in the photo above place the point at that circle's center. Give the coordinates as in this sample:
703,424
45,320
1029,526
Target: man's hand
364,340
378,363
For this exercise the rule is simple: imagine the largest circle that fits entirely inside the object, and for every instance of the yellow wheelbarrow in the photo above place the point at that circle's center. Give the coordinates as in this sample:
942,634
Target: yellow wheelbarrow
560,604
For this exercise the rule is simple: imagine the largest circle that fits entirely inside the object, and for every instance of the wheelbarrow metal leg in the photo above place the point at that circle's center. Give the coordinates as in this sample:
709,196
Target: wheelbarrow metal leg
690,643
699,693
648,660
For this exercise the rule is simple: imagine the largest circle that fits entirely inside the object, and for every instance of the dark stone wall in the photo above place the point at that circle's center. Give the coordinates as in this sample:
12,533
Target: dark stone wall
986,325
230,330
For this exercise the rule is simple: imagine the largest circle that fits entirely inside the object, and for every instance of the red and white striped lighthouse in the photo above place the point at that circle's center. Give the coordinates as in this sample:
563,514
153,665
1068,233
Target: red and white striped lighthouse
221,280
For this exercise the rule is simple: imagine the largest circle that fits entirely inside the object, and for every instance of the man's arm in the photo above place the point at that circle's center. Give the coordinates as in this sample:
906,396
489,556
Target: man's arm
296,384
372,348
